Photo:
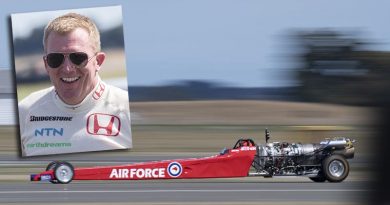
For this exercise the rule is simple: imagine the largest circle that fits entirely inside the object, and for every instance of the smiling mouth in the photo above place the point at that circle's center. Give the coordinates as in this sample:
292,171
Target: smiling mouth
70,80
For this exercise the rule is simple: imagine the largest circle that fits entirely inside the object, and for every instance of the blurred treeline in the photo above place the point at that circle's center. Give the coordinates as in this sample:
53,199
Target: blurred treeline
208,90
334,67
337,67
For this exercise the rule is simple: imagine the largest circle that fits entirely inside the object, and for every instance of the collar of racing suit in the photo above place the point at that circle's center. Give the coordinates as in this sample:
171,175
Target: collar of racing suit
88,103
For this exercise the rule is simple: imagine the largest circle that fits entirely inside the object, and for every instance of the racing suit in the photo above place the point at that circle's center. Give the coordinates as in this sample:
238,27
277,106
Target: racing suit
50,126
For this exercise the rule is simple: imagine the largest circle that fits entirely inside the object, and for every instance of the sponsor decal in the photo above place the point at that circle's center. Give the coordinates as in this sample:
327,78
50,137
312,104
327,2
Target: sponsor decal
99,91
174,169
49,144
49,118
247,148
137,173
103,124
49,132
46,177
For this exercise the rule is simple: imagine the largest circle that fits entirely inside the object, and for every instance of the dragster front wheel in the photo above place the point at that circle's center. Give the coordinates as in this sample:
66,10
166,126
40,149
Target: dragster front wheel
51,166
63,172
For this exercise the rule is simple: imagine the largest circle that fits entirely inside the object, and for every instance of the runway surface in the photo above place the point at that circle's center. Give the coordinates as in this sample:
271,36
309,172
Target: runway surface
247,190
184,191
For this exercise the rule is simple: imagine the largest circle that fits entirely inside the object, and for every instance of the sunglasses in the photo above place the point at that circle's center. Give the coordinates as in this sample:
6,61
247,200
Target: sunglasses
79,59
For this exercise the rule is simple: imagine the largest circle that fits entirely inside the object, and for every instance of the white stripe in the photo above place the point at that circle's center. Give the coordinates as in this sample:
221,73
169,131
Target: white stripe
184,190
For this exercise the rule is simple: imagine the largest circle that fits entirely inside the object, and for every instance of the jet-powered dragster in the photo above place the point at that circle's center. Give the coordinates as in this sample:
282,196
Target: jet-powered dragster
322,161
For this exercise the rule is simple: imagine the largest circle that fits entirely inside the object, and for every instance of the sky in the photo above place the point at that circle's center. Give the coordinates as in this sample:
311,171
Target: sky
232,42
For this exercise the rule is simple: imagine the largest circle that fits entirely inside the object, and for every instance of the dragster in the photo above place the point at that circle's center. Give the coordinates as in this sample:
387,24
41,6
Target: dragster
324,161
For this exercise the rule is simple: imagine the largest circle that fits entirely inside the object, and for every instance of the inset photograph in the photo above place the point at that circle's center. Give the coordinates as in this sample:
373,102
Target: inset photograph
71,81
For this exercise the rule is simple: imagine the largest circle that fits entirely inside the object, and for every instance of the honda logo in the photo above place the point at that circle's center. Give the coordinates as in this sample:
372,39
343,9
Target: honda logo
103,124
99,91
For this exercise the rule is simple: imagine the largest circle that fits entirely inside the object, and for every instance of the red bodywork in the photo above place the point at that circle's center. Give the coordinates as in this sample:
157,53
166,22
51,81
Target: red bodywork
233,163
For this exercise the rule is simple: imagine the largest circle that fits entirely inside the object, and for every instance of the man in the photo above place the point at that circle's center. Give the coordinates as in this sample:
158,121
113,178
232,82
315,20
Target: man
79,112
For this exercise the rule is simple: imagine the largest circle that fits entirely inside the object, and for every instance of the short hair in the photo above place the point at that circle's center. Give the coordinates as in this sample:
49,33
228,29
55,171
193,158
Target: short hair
67,23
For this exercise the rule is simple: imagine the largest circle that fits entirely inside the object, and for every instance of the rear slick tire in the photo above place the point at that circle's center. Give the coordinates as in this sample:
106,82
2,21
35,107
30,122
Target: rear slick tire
320,178
335,168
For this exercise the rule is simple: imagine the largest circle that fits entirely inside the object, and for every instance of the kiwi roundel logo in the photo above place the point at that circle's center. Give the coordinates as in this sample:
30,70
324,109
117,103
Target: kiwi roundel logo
174,169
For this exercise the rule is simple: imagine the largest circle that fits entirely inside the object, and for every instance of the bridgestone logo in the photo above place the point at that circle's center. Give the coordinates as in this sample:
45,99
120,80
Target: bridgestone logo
49,118
46,144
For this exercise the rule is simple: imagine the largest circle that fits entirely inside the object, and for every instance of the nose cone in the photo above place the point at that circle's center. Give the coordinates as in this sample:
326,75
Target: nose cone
34,177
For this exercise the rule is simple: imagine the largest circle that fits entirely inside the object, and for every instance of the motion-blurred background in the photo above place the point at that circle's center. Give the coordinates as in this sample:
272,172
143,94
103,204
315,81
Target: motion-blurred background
202,74
217,77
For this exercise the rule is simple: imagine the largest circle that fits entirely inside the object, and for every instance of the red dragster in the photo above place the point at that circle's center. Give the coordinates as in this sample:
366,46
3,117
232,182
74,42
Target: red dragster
319,162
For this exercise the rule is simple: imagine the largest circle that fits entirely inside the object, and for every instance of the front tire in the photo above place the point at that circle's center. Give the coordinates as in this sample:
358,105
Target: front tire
63,172
51,166
335,168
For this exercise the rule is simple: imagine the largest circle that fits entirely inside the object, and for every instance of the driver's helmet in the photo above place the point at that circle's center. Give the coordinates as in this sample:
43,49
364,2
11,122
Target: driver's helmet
246,143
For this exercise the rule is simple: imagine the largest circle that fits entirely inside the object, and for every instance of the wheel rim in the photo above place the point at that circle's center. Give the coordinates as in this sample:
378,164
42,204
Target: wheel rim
336,168
64,174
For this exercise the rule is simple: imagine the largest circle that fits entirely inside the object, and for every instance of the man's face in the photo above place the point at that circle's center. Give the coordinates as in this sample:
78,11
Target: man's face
72,83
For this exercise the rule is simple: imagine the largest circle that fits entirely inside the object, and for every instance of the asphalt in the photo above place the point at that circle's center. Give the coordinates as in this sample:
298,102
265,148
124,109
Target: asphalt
15,186
195,191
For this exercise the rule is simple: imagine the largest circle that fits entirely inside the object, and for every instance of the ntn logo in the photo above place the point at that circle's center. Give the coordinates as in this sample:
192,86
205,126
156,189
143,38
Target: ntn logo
49,132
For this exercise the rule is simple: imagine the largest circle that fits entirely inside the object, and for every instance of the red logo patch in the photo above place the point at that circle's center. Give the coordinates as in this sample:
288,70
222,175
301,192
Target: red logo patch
99,91
103,124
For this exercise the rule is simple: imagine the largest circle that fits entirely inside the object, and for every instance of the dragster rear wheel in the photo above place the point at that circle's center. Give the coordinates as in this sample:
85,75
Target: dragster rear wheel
63,172
335,168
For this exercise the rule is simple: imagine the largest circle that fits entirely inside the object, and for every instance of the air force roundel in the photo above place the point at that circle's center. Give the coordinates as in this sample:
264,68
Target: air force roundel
174,169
